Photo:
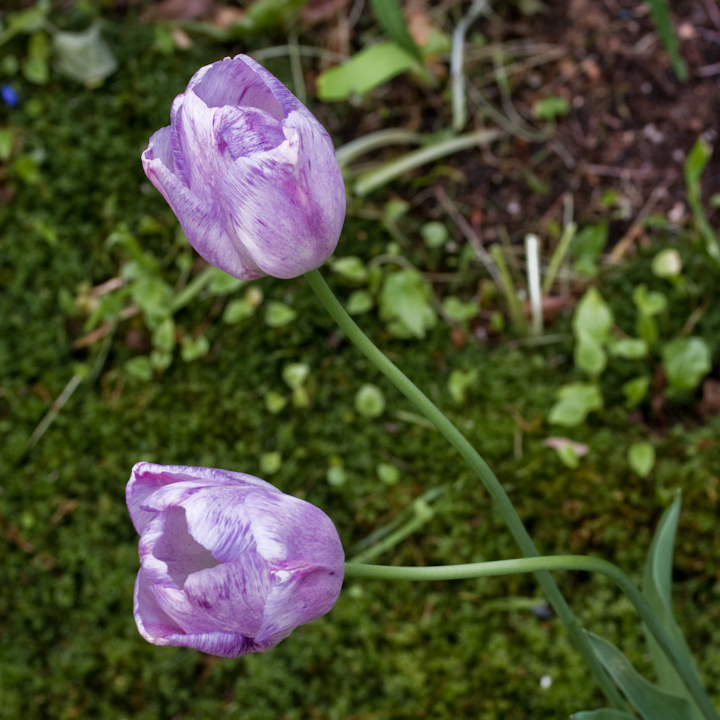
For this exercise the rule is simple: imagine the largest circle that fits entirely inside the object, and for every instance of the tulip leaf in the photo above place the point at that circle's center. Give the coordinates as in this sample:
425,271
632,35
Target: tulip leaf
603,714
657,588
363,72
392,20
649,700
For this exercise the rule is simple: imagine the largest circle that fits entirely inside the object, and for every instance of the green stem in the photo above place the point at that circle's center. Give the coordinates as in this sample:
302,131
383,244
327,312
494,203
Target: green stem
545,564
481,468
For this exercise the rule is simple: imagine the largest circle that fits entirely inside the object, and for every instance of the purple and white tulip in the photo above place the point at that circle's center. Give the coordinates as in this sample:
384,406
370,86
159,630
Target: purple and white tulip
229,564
249,172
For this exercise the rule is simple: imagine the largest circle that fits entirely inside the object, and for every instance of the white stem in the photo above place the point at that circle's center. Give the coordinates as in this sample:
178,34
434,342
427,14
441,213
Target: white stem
532,256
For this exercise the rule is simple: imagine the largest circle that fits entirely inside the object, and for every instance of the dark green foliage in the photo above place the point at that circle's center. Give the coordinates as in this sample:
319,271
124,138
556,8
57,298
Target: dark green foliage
68,644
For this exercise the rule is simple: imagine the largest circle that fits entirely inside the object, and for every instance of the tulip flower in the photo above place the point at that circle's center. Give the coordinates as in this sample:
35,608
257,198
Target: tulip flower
229,564
249,172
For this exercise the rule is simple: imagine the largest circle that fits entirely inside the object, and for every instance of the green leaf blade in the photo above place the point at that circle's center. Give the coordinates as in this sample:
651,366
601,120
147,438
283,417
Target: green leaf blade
392,20
649,700
657,589
602,714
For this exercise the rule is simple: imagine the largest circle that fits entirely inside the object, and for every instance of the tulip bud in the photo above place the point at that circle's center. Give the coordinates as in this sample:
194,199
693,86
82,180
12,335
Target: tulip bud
249,172
229,564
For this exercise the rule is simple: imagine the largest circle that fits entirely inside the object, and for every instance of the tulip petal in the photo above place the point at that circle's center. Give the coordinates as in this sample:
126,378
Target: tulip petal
231,597
153,623
281,94
217,519
287,206
178,549
229,82
248,131
227,645
307,595
202,222
290,532
147,477
199,160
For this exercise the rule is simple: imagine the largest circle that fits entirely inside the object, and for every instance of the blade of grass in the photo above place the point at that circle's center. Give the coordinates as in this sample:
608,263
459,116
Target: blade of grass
457,62
377,178
660,14
382,138
508,288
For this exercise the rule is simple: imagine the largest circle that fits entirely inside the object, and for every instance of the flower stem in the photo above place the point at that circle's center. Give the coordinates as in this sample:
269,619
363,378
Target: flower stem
545,564
482,470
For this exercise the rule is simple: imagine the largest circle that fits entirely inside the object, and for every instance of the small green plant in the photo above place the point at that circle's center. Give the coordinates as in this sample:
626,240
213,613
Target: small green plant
685,360
143,288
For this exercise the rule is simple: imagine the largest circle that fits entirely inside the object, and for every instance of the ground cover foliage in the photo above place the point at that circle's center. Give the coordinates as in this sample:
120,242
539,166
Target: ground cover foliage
68,644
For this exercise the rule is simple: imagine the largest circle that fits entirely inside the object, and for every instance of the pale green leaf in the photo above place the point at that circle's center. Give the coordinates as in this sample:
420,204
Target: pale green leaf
686,361
589,355
363,72
278,314
592,315
575,401
641,457
657,589
370,401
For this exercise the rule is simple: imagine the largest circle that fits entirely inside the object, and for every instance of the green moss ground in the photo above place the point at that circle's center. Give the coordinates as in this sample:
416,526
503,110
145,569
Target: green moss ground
68,643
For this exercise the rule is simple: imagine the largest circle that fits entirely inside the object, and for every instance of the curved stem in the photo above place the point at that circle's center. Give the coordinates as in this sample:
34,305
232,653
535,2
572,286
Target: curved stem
544,564
482,470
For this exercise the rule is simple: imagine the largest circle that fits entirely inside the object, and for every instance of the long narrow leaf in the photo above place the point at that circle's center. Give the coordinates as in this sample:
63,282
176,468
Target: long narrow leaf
696,161
603,714
657,588
392,20
649,700
375,179
660,13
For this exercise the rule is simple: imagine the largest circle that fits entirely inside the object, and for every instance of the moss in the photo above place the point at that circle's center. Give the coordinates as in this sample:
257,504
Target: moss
68,644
